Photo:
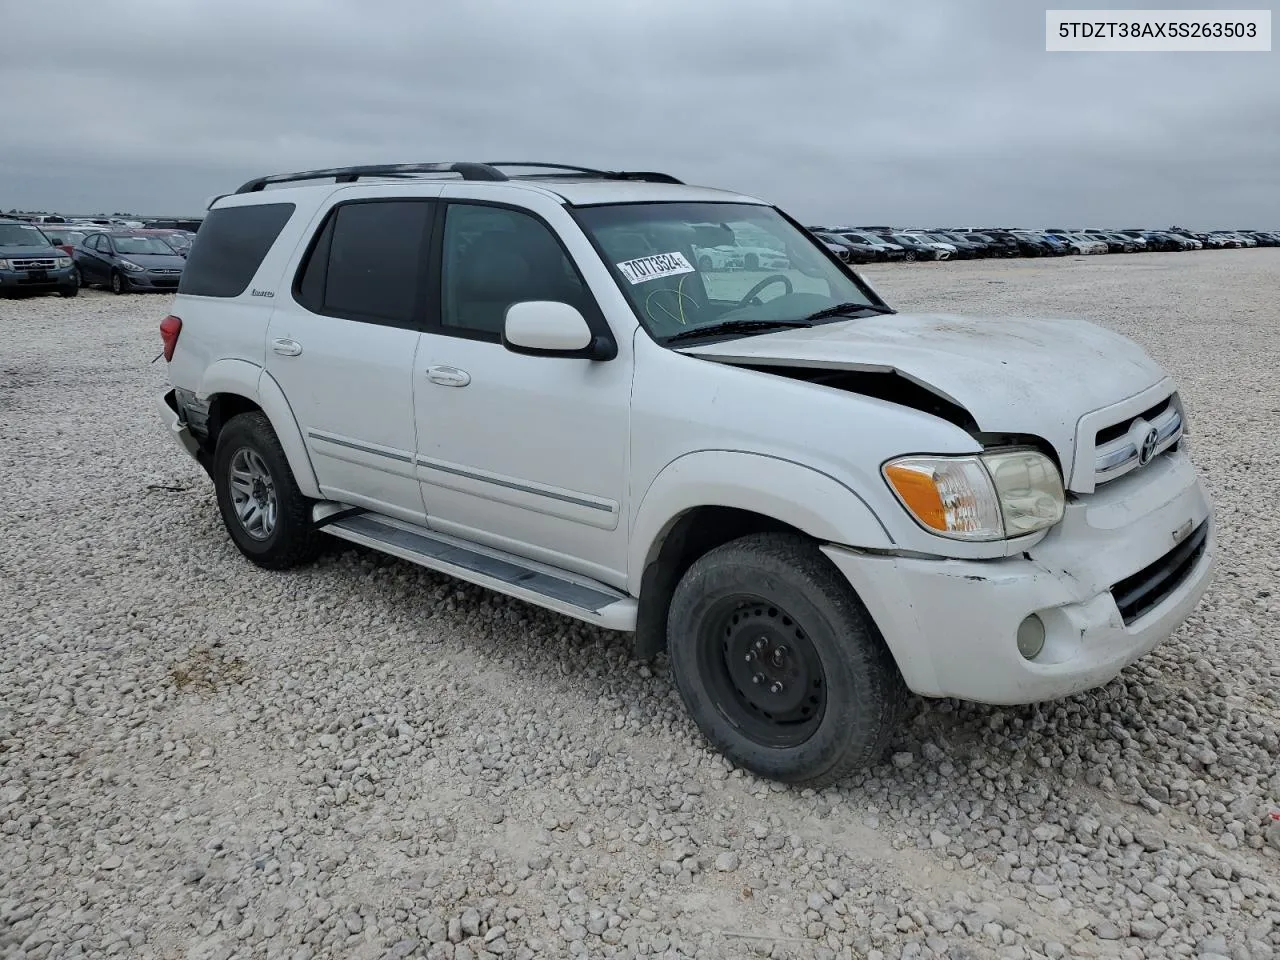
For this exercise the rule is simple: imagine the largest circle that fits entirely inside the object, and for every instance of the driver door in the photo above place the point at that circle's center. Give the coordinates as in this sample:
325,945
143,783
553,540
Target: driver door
525,453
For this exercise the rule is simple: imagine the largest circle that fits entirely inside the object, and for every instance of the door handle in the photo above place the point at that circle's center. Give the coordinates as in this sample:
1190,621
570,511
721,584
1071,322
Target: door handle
448,376
286,348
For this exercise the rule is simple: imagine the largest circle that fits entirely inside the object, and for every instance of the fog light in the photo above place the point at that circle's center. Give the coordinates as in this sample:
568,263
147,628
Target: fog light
1031,637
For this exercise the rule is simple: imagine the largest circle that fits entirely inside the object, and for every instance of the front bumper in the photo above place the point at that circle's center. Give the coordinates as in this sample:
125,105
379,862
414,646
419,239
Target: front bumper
952,624
151,281
174,426
50,280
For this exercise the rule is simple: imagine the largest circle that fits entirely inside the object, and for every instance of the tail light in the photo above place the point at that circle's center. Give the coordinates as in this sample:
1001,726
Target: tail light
170,327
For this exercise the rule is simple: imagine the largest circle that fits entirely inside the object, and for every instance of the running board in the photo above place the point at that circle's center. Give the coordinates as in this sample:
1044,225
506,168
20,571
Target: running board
536,583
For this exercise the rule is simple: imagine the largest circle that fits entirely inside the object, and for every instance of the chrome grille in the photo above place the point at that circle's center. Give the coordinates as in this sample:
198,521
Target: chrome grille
32,263
1136,441
164,271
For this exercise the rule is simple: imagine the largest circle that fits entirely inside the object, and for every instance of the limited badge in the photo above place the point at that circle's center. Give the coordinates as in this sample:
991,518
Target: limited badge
654,267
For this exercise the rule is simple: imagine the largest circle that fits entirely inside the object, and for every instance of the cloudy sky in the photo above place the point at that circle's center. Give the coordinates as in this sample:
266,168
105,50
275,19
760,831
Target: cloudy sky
870,111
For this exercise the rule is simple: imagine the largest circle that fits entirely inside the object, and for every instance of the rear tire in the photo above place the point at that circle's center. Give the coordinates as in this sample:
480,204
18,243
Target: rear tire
779,663
250,471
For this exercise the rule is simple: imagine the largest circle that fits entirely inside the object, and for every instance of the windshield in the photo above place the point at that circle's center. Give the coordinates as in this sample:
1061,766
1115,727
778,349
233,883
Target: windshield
15,235
689,265
136,245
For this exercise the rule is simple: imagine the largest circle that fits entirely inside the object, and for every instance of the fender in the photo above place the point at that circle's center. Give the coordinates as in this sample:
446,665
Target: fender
807,499
252,382
276,406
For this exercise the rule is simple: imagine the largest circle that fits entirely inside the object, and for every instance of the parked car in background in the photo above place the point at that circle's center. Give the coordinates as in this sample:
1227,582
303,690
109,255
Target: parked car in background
948,248
965,249
30,262
1160,241
1082,243
1114,244
855,252
1055,247
1024,246
979,248
63,238
1000,245
1127,244
915,248
126,261
884,250
180,240
718,258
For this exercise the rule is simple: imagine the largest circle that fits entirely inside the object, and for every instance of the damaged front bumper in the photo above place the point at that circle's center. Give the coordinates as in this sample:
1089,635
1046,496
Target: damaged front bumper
1116,577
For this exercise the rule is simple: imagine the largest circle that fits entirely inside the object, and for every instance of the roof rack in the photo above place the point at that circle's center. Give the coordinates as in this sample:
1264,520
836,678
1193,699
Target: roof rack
467,170
568,170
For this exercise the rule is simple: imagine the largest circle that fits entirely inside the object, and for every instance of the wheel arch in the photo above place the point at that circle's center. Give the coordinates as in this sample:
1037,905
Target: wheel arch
703,500
233,387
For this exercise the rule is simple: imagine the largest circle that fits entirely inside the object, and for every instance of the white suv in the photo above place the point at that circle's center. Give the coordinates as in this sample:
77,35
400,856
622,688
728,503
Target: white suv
524,376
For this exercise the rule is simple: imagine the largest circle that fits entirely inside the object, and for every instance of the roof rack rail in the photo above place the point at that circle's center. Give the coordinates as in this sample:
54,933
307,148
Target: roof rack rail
569,170
468,171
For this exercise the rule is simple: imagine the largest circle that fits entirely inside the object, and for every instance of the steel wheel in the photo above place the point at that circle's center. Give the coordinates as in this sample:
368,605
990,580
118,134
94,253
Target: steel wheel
253,494
764,672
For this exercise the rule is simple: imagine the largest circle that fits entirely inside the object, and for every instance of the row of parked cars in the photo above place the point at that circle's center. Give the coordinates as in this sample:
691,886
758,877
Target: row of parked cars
63,257
883,244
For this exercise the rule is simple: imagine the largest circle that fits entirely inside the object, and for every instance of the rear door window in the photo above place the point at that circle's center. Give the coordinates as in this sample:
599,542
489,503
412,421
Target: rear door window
367,262
233,243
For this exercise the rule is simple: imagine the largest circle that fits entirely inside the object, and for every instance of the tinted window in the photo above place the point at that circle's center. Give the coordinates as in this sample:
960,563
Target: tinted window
494,257
374,260
233,242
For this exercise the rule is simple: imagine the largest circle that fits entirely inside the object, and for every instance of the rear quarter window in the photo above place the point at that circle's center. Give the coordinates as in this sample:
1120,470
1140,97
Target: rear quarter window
230,247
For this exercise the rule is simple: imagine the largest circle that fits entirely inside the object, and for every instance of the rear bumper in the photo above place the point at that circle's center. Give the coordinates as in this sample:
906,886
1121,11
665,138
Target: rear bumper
952,625
174,426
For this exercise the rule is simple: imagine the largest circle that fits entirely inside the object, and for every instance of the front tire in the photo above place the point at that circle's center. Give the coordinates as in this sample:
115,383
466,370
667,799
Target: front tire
69,291
119,284
268,518
779,663
910,256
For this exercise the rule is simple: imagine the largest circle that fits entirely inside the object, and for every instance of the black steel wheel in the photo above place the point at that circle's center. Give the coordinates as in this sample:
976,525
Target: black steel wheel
766,672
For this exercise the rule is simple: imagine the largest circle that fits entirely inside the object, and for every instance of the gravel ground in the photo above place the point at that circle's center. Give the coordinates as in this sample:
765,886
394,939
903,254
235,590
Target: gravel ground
363,759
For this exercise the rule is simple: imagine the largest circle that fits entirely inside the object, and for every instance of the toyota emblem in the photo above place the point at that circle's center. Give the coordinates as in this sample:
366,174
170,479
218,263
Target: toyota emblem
1148,448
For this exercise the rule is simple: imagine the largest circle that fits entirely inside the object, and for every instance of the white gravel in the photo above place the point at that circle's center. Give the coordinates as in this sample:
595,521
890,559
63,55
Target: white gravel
363,759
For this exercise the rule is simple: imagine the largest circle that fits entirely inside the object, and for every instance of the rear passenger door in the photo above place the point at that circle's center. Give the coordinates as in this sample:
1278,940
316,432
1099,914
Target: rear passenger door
342,343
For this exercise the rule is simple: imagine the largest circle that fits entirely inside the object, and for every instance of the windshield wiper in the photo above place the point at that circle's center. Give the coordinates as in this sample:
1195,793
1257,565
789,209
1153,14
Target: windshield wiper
841,309
734,326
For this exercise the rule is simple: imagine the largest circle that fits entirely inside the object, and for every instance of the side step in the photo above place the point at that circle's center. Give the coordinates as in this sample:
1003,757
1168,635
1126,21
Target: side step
537,583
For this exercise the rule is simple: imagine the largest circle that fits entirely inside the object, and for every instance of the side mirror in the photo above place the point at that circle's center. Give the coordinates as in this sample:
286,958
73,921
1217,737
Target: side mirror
549,328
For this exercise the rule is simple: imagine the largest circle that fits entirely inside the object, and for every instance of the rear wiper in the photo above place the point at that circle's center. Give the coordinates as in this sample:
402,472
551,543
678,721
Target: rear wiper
840,309
734,326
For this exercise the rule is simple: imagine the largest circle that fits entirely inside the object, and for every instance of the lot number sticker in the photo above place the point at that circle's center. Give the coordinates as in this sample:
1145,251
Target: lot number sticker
658,265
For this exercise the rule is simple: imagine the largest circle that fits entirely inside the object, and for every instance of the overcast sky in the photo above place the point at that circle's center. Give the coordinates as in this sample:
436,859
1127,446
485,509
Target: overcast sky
905,112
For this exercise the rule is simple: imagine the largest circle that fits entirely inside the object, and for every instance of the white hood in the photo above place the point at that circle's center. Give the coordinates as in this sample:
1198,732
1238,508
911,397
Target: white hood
1035,377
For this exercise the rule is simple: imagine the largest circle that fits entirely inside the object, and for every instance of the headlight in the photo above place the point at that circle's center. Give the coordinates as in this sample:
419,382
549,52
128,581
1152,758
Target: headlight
63,262
4,264
993,496
130,265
